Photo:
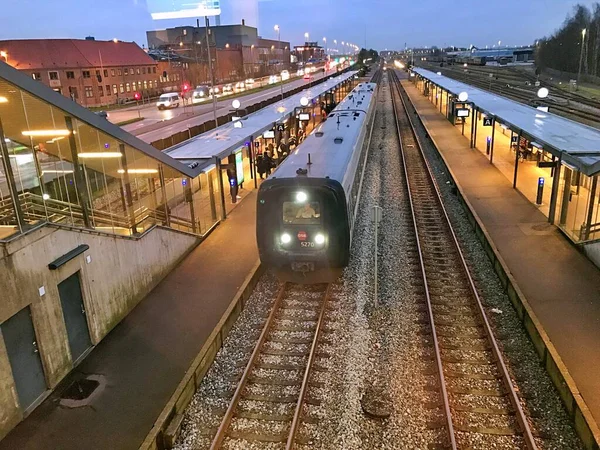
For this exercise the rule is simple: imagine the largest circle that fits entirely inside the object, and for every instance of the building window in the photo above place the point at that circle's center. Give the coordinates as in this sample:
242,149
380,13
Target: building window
105,73
121,88
97,73
133,85
88,92
120,73
36,76
155,84
101,91
126,71
108,89
70,75
112,72
144,70
154,70
138,70
86,73
149,69
127,87
132,71
145,84
115,89
73,92
53,75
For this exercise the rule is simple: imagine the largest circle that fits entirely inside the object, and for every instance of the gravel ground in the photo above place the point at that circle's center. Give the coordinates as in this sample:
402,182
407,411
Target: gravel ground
553,428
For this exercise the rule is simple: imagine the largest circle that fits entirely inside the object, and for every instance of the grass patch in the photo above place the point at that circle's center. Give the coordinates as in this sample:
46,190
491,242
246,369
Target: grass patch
127,122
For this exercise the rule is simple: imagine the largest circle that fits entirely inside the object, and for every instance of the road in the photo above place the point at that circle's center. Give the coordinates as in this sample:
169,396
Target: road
198,114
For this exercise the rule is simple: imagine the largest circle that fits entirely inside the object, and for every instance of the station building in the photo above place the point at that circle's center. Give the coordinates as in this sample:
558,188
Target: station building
91,219
551,160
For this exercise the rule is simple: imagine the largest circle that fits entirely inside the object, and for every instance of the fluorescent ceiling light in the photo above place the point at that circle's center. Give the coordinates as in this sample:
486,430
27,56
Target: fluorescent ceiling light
92,155
46,133
138,171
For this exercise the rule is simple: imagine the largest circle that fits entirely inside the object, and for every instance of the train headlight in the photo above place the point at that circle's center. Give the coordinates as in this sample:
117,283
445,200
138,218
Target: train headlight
319,239
301,197
286,238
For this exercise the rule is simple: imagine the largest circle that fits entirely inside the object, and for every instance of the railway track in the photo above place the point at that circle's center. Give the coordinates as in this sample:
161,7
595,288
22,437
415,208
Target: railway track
481,406
267,404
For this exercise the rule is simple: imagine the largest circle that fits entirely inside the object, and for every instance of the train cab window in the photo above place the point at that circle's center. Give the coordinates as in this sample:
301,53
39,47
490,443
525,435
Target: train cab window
308,213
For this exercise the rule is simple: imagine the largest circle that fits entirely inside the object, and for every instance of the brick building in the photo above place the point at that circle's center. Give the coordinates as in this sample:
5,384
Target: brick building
310,52
237,50
92,73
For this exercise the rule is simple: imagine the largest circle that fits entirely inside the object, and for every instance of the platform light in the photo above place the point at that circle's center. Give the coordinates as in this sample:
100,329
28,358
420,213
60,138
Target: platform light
543,92
45,133
304,101
236,104
301,197
319,239
138,171
463,96
46,196
286,238
97,155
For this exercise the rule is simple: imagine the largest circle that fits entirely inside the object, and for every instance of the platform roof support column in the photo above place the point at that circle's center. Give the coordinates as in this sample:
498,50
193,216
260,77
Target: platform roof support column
127,190
221,187
517,150
473,127
492,143
80,183
252,156
163,190
10,179
189,195
447,103
554,195
590,214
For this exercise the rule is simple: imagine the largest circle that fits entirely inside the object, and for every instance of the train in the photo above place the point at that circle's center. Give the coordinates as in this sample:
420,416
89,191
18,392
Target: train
306,209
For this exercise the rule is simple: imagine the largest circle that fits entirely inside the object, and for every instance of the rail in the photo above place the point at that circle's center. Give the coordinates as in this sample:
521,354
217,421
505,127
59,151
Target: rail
431,193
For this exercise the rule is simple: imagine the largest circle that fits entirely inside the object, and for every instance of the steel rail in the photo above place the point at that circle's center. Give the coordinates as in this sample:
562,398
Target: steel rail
303,389
514,400
225,422
438,357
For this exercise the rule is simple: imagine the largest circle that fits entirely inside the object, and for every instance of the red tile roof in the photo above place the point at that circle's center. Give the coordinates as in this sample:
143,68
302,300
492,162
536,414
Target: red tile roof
72,53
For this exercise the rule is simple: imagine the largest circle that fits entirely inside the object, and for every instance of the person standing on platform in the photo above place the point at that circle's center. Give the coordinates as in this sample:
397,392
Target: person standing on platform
260,165
269,163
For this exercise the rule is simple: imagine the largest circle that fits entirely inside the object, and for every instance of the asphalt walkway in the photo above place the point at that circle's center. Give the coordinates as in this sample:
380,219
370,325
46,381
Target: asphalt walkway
560,283
145,357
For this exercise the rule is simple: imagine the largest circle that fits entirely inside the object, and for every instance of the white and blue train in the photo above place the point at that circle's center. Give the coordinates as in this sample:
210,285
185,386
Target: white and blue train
307,207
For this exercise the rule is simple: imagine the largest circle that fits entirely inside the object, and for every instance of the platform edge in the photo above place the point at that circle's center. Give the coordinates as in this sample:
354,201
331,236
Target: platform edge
188,385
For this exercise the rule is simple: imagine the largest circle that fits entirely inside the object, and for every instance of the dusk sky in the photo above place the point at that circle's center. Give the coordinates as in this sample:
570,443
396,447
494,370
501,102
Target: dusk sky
388,23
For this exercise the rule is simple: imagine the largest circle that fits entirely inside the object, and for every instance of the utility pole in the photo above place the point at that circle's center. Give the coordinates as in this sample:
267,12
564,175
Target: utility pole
212,74
581,55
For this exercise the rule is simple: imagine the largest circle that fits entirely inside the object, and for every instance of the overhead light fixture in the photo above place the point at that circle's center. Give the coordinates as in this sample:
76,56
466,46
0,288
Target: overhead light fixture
3,100
60,171
97,155
46,133
138,171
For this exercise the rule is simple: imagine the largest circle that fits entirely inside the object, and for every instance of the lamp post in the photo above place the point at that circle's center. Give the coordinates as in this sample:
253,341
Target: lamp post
581,55
336,46
4,55
325,46
276,27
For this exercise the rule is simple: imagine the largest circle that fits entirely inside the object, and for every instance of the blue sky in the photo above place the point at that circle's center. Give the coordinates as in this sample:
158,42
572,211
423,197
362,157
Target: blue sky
388,23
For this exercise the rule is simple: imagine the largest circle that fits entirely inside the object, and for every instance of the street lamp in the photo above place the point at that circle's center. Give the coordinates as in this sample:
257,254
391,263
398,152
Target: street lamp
276,28
4,55
306,36
581,55
115,40
325,41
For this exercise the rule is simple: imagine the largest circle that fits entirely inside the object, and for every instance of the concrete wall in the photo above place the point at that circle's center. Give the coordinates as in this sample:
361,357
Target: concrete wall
120,273
592,251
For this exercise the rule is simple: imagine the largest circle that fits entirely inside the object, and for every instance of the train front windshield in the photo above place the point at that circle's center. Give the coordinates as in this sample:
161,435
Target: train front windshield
307,213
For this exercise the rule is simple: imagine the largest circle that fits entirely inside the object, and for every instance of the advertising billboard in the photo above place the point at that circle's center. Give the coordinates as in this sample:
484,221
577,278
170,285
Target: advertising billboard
182,9
239,167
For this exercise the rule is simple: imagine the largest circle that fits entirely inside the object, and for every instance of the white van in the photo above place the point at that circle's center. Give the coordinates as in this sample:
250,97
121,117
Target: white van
167,101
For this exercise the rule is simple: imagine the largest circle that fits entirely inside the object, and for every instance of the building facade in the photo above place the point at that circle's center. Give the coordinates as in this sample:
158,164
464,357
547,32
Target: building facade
91,73
237,51
310,52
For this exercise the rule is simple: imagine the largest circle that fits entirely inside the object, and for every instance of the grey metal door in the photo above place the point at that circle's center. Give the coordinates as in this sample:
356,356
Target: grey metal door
74,314
24,357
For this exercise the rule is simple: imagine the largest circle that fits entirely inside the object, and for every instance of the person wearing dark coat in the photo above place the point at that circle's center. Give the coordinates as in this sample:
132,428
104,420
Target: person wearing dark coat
269,163
261,166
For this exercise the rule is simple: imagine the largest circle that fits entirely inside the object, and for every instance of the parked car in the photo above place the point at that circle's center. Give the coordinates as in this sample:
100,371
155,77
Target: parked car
103,114
250,82
285,75
168,101
227,89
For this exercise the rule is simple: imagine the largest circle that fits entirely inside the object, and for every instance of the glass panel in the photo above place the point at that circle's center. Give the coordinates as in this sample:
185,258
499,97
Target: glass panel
302,214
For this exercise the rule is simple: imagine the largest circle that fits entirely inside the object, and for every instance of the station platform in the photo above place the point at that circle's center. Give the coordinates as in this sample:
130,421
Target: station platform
560,283
145,357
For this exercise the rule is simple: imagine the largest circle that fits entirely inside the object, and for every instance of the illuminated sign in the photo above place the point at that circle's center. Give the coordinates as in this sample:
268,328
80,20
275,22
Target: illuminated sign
239,167
462,113
181,9
270,134
304,117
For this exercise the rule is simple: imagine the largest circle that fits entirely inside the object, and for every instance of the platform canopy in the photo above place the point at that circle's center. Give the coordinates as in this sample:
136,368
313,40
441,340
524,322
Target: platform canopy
222,141
577,143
